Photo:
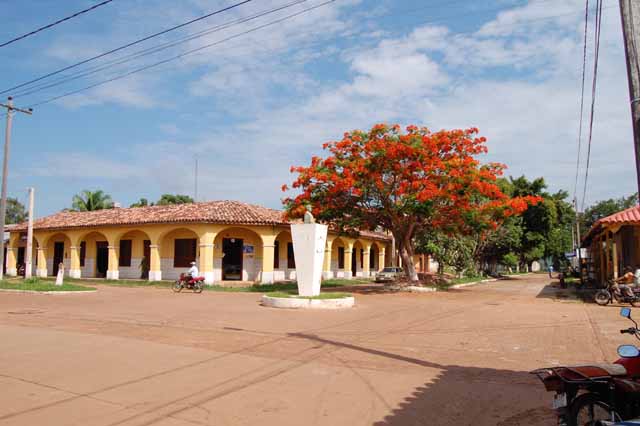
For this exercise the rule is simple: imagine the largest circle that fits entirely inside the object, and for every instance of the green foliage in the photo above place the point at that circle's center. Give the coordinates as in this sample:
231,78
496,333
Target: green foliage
547,227
510,260
35,284
16,212
167,199
605,208
91,200
143,202
454,250
542,231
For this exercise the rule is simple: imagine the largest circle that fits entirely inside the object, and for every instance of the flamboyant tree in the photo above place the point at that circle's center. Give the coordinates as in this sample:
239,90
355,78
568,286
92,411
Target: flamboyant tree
404,182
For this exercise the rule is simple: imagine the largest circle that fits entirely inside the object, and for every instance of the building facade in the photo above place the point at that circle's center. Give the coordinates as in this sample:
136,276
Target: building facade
613,244
229,240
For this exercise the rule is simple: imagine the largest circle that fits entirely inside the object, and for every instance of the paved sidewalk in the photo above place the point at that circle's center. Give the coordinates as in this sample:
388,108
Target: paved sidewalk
136,356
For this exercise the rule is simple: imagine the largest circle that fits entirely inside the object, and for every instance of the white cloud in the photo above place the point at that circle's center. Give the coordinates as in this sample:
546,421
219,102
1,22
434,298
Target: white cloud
517,79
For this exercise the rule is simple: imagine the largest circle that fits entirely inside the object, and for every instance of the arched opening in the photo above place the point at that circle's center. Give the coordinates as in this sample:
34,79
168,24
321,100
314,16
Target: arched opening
237,255
178,248
134,253
94,255
357,259
284,262
58,253
338,248
374,258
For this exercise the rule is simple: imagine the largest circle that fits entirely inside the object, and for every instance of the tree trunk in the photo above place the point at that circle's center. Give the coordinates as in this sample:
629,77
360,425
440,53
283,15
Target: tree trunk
407,263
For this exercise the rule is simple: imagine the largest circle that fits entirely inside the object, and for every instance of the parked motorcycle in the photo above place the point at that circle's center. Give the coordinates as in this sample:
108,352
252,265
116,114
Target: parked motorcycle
185,281
595,394
607,295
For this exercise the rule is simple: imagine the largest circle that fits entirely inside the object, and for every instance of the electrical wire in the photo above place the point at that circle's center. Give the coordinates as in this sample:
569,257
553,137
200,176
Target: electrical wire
182,55
121,61
133,43
149,51
59,21
584,72
598,27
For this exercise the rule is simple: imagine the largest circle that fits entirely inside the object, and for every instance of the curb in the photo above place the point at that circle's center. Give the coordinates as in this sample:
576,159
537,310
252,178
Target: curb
10,290
297,303
491,280
415,289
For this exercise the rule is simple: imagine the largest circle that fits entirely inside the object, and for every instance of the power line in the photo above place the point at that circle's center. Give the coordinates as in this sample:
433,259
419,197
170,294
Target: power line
161,47
584,72
189,52
598,27
59,21
149,51
133,43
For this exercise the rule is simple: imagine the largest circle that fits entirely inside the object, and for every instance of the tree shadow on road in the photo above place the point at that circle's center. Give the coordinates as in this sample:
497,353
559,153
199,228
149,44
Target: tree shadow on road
462,395
553,291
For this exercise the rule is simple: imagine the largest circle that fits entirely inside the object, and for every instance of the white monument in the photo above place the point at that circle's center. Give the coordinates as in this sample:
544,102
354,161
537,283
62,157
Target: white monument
60,276
309,241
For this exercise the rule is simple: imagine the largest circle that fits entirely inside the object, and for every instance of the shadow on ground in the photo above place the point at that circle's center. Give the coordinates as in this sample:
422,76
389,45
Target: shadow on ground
463,395
571,293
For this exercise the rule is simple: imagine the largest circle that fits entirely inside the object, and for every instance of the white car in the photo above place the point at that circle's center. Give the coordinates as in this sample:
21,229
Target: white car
389,274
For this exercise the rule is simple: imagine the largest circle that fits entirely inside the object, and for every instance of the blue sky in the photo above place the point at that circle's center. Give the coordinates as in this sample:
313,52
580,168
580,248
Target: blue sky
251,107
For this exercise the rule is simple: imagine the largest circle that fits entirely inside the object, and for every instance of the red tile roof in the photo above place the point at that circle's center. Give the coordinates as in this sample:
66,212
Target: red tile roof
215,212
630,215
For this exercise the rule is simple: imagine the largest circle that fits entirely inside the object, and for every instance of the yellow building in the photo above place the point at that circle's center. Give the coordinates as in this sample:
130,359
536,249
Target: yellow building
229,240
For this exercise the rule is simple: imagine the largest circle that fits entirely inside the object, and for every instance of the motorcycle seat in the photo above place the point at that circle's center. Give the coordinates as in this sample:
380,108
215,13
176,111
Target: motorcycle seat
599,370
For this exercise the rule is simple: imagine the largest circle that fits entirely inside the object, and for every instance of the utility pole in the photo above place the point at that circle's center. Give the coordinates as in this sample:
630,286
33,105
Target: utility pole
28,255
5,172
630,13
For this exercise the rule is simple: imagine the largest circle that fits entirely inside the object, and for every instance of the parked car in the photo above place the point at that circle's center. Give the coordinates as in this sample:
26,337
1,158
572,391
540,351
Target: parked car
389,274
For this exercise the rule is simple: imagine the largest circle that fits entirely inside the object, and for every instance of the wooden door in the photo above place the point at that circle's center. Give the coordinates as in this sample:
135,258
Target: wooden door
102,258
146,260
232,259
58,256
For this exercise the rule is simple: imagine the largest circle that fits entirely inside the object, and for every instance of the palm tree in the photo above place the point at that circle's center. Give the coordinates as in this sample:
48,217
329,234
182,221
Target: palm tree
88,201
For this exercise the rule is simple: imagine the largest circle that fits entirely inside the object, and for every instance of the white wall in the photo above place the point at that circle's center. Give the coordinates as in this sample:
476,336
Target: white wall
133,271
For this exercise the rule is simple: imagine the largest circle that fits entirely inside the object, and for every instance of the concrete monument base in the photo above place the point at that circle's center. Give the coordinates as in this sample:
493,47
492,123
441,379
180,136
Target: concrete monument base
294,302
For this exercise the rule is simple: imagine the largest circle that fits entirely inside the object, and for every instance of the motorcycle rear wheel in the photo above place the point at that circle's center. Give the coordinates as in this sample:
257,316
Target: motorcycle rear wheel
588,409
177,287
197,288
602,297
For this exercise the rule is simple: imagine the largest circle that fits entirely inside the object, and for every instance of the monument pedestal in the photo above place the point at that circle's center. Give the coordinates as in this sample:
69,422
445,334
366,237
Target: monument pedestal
309,241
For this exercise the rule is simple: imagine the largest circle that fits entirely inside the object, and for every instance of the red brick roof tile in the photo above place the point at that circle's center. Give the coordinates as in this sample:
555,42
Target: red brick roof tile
630,215
223,212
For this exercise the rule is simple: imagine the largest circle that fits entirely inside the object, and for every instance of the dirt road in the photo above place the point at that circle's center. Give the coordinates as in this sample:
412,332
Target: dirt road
133,356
